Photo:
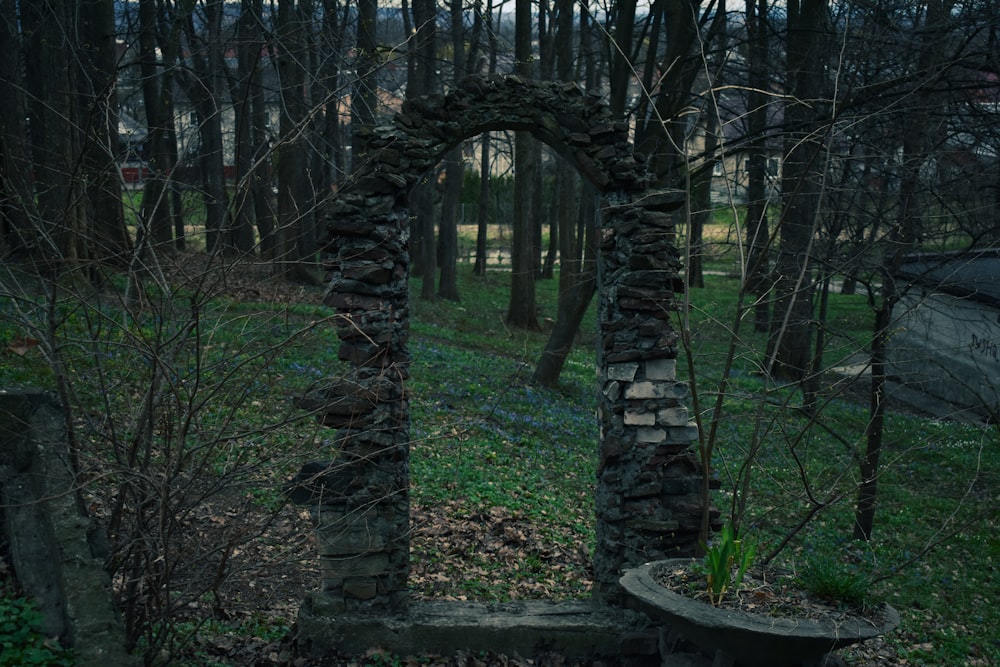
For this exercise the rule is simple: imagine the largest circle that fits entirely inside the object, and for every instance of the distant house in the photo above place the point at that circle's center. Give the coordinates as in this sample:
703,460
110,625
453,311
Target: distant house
946,334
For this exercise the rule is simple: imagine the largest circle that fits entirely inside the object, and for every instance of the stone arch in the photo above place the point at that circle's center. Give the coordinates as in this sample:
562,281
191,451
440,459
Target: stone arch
576,125
649,478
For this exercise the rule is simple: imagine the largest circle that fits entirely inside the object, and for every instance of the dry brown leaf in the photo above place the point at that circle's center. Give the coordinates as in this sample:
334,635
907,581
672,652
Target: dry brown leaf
20,346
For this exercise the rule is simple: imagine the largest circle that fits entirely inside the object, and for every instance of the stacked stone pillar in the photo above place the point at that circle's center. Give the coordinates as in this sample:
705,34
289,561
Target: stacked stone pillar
649,475
360,498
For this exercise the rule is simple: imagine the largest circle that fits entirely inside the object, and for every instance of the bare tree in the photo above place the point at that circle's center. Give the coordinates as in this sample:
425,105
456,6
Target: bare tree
162,221
15,160
790,347
758,232
454,172
902,238
522,312
204,83
296,215
575,228
111,242
423,81
250,141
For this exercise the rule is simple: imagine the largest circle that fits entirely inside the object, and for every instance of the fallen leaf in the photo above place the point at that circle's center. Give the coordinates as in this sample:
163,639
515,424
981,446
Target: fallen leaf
20,346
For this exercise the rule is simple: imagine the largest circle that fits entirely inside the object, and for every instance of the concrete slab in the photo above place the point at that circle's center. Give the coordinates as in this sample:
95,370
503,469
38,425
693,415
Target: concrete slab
575,630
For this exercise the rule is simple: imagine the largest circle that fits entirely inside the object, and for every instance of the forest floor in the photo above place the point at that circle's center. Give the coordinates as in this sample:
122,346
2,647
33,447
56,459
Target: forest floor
268,598
272,574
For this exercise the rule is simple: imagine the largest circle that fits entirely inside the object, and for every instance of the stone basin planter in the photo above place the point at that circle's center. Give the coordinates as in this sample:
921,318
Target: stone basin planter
741,638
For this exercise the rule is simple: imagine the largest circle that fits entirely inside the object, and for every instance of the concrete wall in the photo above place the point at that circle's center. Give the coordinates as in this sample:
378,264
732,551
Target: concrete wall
49,536
948,347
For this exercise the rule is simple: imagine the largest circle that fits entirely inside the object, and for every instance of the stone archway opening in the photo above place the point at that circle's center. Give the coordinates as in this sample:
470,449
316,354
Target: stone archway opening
648,480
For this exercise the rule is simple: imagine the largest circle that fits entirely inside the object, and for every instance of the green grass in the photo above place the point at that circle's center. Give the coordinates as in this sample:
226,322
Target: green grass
484,438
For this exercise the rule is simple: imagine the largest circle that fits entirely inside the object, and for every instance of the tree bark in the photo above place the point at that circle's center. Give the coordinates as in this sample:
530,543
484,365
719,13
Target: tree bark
448,227
111,241
577,253
621,52
246,99
756,223
791,331
454,175
576,291
479,268
205,90
265,208
16,192
62,234
482,220
293,193
332,40
157,72
424,82
701,201
363,96
869,463
521,312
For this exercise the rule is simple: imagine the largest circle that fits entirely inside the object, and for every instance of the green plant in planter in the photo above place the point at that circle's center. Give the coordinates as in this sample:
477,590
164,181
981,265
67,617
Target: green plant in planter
726,562
835,582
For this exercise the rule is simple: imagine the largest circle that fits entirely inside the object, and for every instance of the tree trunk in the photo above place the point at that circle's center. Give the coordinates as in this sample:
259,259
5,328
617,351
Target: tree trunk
555,214
448,229
246,97
16,196
294,217
363,96
265,208
868,486
756,223
537,215
577,252
521,312
663,137
621,51
205,90
424,82
332,41
576,291
111,241
701,201
791,335
157,72
55,141
479,268
649,70
454,175
560,343
482,221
